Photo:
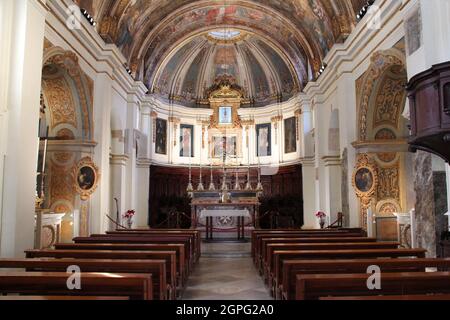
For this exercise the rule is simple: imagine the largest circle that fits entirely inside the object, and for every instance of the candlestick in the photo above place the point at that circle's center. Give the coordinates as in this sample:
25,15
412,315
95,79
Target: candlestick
44,156
212,187
190,187
237,185
259,187
200,185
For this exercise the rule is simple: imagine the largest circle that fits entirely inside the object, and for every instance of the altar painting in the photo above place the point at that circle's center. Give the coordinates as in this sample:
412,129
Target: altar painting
229,144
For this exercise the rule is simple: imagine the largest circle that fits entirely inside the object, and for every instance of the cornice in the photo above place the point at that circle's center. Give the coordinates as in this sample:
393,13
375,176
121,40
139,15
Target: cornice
331,161
118,159
308,161
377,146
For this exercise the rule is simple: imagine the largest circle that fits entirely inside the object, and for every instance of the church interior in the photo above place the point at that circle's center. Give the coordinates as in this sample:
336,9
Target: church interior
224,149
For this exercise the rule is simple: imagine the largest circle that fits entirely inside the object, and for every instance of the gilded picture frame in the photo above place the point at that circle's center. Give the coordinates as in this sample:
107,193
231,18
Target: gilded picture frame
86,177
365,178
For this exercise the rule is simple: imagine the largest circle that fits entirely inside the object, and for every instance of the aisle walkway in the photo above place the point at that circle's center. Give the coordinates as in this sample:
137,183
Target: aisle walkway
225,272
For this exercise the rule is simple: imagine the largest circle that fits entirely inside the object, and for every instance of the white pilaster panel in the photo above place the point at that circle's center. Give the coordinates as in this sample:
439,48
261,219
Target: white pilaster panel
22,100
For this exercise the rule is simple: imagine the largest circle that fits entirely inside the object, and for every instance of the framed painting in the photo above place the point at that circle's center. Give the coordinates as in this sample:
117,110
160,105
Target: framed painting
290,135
86,178
264,139
225,115
161,136
227,144
186,140
365,178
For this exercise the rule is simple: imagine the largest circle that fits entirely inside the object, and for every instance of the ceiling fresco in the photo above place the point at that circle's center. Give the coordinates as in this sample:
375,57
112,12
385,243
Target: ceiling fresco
247,61
148,32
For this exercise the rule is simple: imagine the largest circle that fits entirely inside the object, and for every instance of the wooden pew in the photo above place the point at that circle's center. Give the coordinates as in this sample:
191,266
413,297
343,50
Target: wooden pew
59,298
195,247
182,258
168,256
135,286
267,258
281,255
256,245
315,286
325,232
156,268
291,268
196,233
155,239
418,297
262,242
196,240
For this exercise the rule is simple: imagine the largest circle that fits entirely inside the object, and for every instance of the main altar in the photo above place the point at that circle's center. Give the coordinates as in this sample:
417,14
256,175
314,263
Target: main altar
229,210
232,218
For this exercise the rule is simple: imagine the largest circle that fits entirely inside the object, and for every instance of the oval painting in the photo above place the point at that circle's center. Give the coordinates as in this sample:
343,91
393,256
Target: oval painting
86,178
364,180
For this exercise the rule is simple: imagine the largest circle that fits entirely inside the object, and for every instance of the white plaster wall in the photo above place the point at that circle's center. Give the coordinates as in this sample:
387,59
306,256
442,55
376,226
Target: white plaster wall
131,179
5,34
100,204
435,36
23,33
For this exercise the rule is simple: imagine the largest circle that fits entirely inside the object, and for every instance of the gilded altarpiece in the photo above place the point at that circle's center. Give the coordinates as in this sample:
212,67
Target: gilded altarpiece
225,126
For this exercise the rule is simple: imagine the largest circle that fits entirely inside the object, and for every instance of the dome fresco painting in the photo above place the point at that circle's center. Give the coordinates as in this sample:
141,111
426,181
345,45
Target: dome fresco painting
163,40
265,76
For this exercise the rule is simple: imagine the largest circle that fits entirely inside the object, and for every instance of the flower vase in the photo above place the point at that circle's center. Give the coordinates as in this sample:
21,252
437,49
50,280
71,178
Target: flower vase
130,224
322,223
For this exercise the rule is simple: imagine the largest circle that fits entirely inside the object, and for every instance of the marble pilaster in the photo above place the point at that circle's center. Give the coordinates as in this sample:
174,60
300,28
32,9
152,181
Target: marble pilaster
424,217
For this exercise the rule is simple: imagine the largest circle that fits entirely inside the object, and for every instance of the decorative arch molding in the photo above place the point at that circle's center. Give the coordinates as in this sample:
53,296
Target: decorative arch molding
388,207
74,132
381,62
68,61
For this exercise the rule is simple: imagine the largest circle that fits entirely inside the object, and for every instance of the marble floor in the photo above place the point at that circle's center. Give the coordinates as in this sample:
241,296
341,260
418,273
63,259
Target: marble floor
225,272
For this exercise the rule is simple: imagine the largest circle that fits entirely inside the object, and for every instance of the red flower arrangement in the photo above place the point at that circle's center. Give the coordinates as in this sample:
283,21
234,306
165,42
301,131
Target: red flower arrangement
129,214
320,214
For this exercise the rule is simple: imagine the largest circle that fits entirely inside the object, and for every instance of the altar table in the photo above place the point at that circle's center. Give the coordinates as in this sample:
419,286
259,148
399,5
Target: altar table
209,214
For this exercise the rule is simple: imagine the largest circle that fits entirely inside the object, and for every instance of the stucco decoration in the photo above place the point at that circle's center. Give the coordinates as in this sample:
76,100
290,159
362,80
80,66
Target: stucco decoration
381,62
65,64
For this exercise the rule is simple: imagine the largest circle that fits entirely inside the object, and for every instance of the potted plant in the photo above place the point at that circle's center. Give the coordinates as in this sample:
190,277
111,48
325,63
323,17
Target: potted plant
129,218
321,216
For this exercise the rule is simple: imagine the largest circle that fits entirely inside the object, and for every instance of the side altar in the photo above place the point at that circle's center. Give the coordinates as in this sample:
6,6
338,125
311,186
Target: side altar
233,218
